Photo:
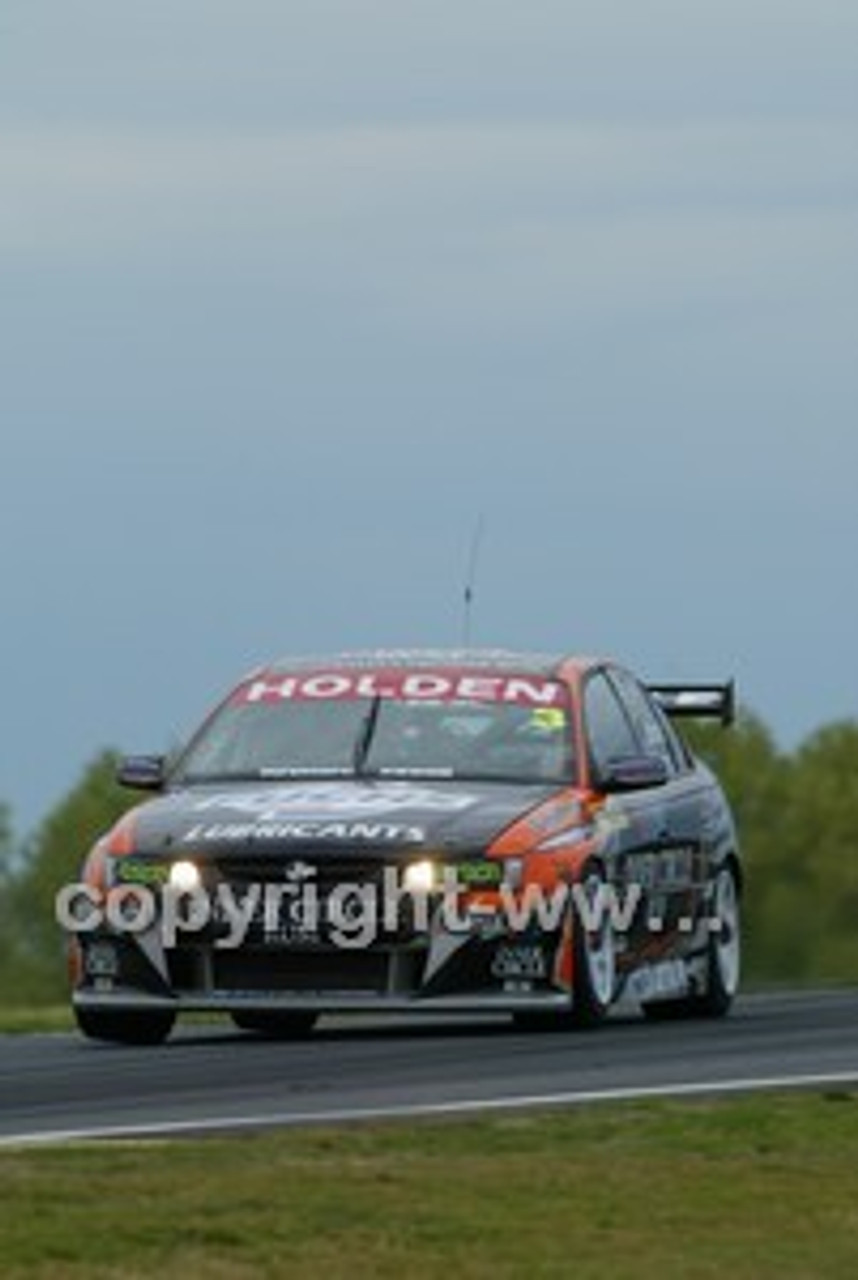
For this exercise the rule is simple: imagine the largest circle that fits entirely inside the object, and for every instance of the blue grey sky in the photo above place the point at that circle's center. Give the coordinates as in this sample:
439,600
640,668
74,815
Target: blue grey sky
292,291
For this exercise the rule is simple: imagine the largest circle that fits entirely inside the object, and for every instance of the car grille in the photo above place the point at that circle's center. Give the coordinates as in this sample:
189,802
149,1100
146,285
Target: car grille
319,877
381,971
242,871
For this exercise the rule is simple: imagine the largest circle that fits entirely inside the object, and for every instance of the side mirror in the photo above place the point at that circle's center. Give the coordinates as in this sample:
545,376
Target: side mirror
142,773
633,773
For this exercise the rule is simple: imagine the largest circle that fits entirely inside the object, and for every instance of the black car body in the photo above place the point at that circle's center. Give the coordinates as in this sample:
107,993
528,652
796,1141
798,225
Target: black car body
459,831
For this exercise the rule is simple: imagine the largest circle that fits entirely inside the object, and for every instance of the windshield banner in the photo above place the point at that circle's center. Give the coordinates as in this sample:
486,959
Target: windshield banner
438,686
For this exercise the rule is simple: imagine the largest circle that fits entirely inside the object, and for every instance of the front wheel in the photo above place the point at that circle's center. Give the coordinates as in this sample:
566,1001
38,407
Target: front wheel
593,949
594,959
126,1026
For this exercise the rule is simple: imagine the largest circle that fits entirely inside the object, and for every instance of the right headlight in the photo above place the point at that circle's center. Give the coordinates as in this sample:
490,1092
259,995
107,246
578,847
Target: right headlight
424,876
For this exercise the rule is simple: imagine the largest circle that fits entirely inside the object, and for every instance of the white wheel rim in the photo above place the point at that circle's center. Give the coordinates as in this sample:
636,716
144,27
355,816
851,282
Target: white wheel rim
727,940
599,949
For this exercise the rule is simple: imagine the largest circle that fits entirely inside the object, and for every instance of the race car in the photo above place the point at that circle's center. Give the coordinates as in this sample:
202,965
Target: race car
448,831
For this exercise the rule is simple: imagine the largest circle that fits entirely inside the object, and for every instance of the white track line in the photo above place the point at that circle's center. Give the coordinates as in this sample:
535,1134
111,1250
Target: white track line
470,1106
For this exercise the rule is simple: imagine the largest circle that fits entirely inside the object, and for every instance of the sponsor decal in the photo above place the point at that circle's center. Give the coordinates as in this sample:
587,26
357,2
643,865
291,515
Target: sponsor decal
372,832
101,960
140,871
441,686
481,873
548,719
610,820
669,869
519,961
652,981
276,804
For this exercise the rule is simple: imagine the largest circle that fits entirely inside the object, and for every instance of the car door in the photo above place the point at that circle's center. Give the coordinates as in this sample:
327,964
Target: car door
646,834
679,866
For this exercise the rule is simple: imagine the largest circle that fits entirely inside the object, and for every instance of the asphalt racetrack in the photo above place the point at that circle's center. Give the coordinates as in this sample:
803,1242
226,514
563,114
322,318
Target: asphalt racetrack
211,1078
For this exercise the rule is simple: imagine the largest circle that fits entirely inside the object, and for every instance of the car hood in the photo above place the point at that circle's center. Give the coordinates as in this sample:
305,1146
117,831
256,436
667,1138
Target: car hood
342,816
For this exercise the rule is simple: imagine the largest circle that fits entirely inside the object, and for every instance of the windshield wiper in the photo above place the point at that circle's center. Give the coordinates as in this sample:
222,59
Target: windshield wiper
413,771
363,741
289,772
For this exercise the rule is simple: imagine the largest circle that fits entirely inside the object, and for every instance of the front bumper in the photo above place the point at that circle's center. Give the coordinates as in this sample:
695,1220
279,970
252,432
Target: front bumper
328,1002
444,971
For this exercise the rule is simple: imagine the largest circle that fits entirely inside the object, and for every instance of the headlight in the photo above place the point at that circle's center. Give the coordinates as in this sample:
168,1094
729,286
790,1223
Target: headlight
422,877
185,876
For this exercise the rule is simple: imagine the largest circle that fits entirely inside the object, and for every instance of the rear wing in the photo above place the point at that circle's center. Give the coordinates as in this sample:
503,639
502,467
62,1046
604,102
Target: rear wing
705,701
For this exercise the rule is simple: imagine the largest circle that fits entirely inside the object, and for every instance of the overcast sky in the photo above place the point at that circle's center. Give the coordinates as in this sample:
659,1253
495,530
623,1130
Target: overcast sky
292,291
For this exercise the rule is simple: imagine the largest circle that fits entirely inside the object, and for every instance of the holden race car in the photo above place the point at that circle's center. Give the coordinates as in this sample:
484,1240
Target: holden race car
448,831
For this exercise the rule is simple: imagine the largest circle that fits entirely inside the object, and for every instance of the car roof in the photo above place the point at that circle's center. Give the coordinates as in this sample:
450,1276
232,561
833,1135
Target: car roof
522,662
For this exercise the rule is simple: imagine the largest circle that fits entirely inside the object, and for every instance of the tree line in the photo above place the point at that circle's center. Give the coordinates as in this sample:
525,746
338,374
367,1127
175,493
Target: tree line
796,812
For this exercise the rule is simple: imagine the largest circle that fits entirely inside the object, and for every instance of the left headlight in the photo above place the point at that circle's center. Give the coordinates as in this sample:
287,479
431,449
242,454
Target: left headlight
185,876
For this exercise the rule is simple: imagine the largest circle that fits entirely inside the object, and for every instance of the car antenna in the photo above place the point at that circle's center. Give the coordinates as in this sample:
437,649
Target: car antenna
470,580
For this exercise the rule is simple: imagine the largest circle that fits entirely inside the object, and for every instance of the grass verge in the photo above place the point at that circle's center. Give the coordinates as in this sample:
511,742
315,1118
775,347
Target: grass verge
753,1187
24,1019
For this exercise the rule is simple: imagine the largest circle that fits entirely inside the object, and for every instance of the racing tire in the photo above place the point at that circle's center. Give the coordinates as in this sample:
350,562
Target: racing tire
126,1026
594,963
276,1026
594,953
723,961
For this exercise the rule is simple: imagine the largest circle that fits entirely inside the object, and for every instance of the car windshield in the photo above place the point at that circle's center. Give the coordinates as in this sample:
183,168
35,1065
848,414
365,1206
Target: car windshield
382,736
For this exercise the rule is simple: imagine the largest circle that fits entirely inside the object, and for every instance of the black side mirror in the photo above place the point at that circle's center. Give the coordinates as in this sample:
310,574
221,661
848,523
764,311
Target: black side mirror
142,773
632,773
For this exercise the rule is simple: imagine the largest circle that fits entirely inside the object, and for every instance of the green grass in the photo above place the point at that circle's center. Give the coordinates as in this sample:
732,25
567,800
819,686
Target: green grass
764,1186
26,1019
20,1019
